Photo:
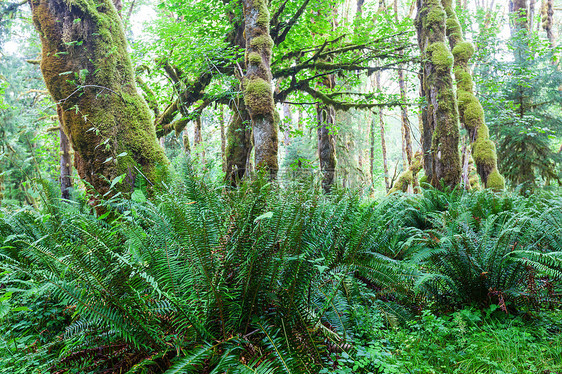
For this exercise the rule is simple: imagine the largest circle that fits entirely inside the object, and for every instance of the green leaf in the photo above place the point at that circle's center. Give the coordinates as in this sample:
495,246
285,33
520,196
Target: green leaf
265,215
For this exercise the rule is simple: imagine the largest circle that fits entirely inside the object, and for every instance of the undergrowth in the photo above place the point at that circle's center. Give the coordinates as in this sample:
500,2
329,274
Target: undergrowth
261,279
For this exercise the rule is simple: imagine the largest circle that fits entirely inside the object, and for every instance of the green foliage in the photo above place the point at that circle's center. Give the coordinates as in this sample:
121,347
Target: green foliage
271,267
520,95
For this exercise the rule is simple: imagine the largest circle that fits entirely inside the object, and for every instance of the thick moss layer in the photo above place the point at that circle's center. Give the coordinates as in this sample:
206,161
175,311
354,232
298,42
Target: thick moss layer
484,152
88,72
441,118
470,109
440,56
258,96
495,181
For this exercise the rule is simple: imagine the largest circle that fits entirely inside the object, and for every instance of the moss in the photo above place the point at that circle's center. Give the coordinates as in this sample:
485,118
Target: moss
484,152
118,114
473,113
464,79
495,181
261,42
463,51
254,58
263,13
258,96
435,17
440,56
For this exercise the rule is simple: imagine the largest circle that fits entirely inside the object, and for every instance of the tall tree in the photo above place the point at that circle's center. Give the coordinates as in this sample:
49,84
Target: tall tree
441,122
86,66
258,90
471,112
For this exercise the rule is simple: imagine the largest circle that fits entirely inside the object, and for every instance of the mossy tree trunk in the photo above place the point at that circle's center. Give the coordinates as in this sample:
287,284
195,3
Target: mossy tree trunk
377,82
88,73
326,116
406,132
198,138
239,142
442,122
547,14
258,90
471,112
185,141
223,138
65,165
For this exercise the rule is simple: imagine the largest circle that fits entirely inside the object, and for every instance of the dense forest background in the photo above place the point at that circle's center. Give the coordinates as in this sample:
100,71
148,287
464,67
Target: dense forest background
367,76
300,186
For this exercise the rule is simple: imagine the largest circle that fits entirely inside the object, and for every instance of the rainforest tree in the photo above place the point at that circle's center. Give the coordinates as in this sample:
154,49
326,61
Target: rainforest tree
440,138
87,70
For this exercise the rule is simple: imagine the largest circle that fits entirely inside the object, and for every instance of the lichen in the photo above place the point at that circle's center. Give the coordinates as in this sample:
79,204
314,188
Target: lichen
440,56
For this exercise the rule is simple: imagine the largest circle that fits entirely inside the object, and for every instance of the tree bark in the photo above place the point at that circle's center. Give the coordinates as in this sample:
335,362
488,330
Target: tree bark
198,138
326,116
186,146
258,91
239,143
372,151
65,165
223,138
88,73
471,112
288,124
383,141
442,122
407,137
547,13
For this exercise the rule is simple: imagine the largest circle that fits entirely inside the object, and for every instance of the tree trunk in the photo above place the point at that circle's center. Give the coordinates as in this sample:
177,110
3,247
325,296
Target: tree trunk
442,123
88,73
470,111
186,146
547,13
198,138
326,116
65,165
287,124
406,132
258,91
383,141
223,139
239,143
372,151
